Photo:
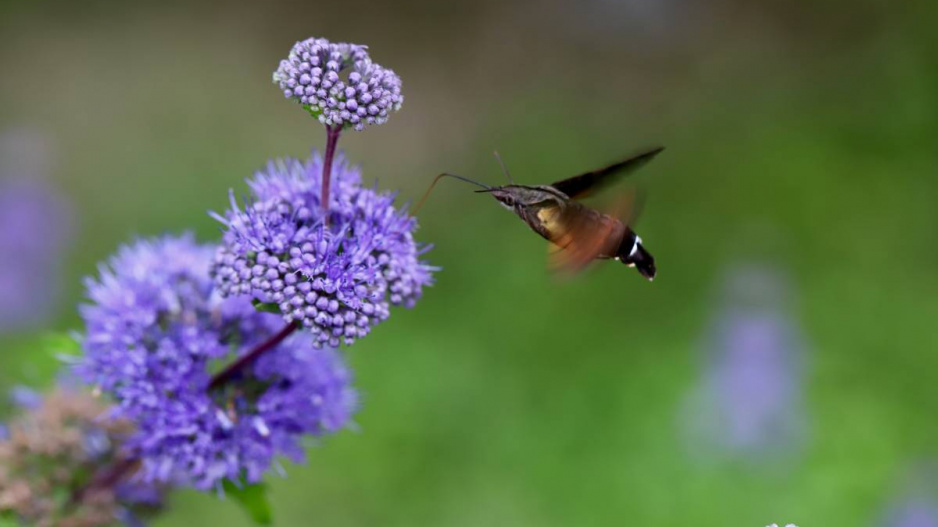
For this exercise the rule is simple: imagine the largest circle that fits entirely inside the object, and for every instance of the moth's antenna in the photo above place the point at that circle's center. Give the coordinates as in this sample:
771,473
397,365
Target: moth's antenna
504,168
437,179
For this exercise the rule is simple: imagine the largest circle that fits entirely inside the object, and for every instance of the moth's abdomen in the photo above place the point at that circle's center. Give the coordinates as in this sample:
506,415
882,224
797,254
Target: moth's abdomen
631,252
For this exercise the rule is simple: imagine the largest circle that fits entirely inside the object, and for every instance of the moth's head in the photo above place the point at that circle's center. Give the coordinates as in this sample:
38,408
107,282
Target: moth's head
513,197
506,196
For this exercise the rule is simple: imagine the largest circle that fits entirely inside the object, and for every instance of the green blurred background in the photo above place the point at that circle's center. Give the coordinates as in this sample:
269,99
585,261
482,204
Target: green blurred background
802,134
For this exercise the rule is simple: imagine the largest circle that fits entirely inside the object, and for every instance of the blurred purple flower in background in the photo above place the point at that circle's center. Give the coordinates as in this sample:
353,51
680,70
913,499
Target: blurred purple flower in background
914,504
25,397
34,221
156,333
749,399
912,512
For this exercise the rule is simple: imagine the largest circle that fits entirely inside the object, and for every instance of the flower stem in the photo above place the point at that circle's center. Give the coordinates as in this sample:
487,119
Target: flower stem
248,358
106,478
332,139
113,474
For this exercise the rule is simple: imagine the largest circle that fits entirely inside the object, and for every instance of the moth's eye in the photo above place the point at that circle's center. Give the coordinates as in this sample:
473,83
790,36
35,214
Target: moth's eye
509,201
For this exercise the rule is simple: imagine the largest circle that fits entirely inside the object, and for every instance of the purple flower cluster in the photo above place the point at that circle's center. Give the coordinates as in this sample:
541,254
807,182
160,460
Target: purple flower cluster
34,221
336,275
338,83
155,333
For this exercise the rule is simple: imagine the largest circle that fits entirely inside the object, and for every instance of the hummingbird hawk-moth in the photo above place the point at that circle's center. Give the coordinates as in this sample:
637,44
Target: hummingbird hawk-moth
579,234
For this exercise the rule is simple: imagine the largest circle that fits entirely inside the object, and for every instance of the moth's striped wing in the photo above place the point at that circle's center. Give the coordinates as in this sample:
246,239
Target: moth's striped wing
580,186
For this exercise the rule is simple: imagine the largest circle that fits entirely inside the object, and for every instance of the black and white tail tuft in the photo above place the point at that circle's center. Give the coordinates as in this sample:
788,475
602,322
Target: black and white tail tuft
633,254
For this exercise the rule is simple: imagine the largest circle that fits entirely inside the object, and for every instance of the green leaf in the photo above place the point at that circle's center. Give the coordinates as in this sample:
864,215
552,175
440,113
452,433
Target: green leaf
61,344
266,308
8,519
61,496
253,498
315,112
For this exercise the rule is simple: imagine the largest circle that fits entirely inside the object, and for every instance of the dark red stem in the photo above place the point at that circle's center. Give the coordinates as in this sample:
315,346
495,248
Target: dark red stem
118,471
222,377
332,140
245,360
107,478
